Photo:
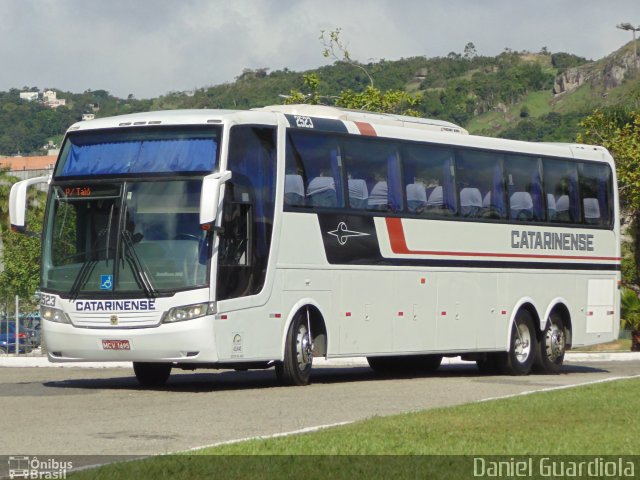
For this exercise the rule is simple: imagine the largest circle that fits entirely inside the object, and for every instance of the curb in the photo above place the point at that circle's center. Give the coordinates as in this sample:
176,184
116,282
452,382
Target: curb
43,362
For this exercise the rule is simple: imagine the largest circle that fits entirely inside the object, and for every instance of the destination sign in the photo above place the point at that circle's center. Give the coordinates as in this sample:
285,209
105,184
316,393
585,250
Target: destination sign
77,191
89,191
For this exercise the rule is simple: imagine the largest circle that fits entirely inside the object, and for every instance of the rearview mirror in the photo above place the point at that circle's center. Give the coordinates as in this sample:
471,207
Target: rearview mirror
210,196
18,202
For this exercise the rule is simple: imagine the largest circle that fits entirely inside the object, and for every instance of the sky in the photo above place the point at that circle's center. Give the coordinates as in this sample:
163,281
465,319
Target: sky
148,48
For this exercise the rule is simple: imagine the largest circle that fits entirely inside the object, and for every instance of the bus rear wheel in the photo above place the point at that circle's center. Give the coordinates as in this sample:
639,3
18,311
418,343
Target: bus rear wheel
152,374
522,348
295,369
551,348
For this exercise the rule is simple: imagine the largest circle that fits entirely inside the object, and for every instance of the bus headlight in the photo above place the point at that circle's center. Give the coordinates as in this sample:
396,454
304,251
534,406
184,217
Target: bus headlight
54,315
188,312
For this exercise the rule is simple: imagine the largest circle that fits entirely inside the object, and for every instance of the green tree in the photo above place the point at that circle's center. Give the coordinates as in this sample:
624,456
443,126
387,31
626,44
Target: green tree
375,100
370,99
334,47
6,180
470,51
20,254
21,274
312,83
618,130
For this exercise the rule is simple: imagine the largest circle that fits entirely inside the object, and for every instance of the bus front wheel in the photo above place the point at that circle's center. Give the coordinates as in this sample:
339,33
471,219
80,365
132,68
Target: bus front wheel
522,348
552,346
152,374
295,369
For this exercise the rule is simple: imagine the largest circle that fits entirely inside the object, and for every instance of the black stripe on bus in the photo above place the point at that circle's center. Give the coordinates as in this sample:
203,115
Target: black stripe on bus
313,123
353,240
487,264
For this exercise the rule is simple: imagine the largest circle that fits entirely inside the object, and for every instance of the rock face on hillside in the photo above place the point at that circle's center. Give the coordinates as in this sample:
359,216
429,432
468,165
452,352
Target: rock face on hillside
607,73
616,69
571,79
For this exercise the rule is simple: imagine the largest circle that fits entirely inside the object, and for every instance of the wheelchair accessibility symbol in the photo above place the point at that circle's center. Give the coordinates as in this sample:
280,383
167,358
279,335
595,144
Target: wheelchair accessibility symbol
106,282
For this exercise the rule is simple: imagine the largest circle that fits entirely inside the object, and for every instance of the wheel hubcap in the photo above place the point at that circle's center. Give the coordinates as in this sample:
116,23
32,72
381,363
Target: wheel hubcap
523,344
304,351
555,343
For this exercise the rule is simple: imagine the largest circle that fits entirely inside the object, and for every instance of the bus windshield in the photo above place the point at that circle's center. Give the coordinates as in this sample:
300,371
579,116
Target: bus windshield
135,237
148,150
123,213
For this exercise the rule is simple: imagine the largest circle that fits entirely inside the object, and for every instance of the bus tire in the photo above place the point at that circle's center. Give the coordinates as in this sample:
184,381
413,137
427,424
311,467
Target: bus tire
152,374
295,369
551,349
522,348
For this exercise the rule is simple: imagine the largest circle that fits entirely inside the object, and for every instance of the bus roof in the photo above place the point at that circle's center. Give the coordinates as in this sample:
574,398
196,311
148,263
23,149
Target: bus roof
363,116
161,117
204,116
400,126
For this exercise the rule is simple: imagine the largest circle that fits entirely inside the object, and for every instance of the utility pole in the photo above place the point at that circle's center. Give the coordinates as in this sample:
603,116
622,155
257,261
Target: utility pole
17,325
627,26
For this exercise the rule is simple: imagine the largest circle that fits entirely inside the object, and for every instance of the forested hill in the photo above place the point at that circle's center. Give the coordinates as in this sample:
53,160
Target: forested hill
533,96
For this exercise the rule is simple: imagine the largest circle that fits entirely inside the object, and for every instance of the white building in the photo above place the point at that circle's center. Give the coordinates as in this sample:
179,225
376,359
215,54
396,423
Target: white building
29,96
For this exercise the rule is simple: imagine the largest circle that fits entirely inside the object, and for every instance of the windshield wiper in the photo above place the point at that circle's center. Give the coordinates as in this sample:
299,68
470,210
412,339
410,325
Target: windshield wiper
81,277
137,265
88,265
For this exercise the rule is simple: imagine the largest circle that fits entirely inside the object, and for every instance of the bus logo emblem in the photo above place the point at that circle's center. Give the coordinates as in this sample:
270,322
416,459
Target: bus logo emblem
342,233
114,320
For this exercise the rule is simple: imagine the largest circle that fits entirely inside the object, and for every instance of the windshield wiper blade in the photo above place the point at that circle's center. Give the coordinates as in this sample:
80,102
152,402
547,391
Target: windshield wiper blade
87,267
81,277
89,264
137,266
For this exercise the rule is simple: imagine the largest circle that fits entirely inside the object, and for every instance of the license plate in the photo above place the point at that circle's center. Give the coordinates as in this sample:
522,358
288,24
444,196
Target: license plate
116,345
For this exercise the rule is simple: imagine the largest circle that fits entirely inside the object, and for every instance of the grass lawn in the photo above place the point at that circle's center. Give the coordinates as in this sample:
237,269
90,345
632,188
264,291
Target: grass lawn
593,420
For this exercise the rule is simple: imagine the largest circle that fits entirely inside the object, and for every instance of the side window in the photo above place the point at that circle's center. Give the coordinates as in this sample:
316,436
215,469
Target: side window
524,188
480,184
429,180
596,197
313,171
248,209
561,191
373,175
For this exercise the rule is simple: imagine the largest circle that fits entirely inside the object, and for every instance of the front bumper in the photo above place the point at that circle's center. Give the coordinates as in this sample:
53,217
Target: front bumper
191,341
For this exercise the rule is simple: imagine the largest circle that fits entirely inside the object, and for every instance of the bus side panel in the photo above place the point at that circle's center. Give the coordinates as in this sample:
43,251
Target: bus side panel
600,305
598,319
366,319
466,310
414,322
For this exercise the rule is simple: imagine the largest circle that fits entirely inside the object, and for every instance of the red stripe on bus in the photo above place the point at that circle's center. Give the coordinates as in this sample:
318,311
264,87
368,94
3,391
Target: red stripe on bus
399,246
366,129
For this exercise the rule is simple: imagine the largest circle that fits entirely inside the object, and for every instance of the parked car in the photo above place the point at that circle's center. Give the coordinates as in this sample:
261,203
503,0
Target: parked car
30,324
8,339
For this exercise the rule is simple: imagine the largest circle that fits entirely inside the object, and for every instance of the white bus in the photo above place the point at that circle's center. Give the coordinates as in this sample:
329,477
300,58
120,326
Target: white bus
251,239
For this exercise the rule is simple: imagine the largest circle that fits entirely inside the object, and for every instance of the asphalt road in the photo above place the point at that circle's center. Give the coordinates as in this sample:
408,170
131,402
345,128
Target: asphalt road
79,411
